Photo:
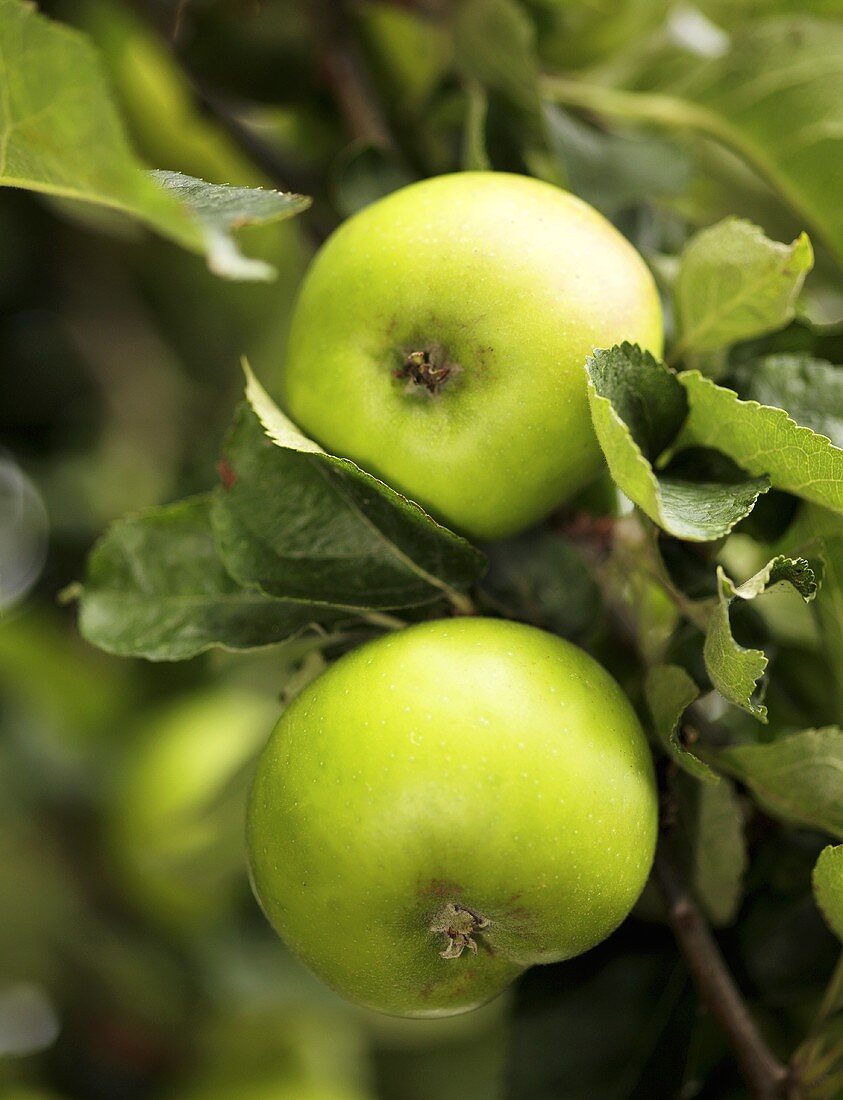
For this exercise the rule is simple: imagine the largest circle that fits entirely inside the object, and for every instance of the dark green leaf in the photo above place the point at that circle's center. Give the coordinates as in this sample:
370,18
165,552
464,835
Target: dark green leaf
303,524
543,579
809,390
797,572
610,170
644,394
364,173
220,210
156,588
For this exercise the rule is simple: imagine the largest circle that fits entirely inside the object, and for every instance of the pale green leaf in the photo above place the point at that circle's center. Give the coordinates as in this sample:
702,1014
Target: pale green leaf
775,97
819,531
494,44
669,691
637,407
797,572
809,390
734,284
798,778
734,671
59,130
764,441
828,886
61,134
711,821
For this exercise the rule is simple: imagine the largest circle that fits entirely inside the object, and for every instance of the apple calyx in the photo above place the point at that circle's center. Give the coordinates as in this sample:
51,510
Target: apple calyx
428,368
459,924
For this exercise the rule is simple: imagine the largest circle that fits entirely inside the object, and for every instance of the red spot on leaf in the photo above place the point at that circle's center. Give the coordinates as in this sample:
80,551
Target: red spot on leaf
227,475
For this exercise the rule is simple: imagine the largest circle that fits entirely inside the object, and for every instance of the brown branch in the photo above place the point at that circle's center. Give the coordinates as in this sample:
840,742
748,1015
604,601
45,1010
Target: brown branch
766,1077
346,74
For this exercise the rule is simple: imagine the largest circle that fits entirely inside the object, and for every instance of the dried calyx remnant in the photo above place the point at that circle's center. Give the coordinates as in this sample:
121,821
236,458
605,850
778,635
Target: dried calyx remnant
459,924
429,368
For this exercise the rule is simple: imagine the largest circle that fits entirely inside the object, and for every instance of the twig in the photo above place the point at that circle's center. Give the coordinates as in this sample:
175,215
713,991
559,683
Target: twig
766,1077
347,75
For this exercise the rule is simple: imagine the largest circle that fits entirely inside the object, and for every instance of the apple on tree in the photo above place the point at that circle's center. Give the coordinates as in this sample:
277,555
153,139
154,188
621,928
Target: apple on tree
440,339
446,806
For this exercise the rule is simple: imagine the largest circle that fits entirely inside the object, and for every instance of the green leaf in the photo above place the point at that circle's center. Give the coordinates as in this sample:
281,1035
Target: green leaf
764,440
364,172
622,1016
60,134
637,407
303,524
614,171
59,131
156,588
494,45
797,572
220,209
710,817
820,531
809,390
828,886
735,671
798,778
734,283
543,578
775,98
669,691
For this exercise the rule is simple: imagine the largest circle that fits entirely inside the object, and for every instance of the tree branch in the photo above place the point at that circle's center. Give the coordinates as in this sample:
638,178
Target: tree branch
766,1077
347,75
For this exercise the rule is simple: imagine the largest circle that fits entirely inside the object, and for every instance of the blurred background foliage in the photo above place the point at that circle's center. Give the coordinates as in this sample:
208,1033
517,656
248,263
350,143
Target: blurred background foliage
133,961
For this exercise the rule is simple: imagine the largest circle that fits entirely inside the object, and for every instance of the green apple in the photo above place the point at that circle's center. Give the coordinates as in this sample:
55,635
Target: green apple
270,1089
174,829
447,806
440,339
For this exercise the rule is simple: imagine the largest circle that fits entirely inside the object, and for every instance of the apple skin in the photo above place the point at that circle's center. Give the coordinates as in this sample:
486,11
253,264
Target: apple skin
270,1089
470,766
508,281
174,843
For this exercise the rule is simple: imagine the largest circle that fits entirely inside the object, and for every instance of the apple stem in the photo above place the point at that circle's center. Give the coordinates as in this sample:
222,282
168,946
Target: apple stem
767,1078
346,74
